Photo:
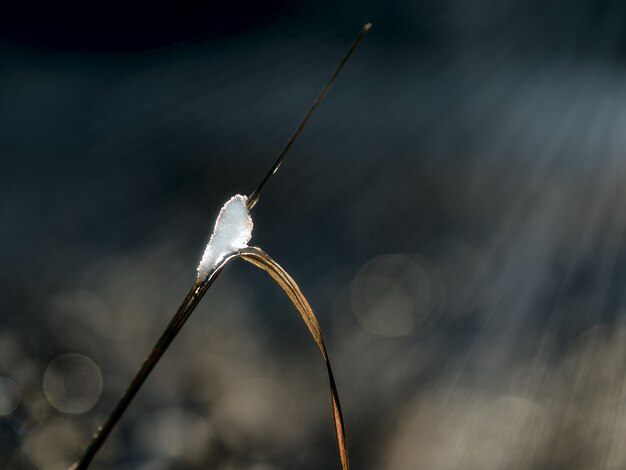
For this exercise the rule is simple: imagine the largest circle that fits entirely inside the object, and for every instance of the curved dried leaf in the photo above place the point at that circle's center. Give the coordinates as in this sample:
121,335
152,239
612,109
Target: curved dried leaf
262,260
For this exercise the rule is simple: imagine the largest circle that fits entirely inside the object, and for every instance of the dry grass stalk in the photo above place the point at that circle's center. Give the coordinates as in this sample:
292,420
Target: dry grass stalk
260,259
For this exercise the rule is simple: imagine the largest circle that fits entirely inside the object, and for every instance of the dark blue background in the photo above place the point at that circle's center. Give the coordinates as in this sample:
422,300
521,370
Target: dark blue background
476,146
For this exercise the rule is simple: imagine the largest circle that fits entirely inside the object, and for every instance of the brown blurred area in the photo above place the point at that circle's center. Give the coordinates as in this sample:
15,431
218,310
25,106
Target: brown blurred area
454,213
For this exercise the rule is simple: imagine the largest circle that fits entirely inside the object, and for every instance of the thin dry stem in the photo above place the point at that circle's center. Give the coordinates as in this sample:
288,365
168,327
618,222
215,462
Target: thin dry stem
254,197
183,313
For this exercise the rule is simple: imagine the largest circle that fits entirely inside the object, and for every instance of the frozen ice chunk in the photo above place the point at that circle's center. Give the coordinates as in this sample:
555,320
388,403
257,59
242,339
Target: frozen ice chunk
233,230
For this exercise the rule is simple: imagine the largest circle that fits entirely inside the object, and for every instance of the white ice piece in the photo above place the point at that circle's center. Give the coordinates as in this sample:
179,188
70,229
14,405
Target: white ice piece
232,232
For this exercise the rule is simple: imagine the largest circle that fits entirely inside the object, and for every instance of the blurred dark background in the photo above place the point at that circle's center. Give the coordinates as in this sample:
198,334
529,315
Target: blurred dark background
454,213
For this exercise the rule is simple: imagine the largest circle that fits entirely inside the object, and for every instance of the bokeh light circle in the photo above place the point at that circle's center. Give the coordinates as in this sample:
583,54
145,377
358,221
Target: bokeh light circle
391,295
72,383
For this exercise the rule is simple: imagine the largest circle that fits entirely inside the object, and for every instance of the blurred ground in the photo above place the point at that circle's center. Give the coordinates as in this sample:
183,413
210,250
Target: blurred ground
454,213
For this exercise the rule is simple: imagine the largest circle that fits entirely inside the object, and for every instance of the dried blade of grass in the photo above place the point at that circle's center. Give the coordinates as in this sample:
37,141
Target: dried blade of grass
262,260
